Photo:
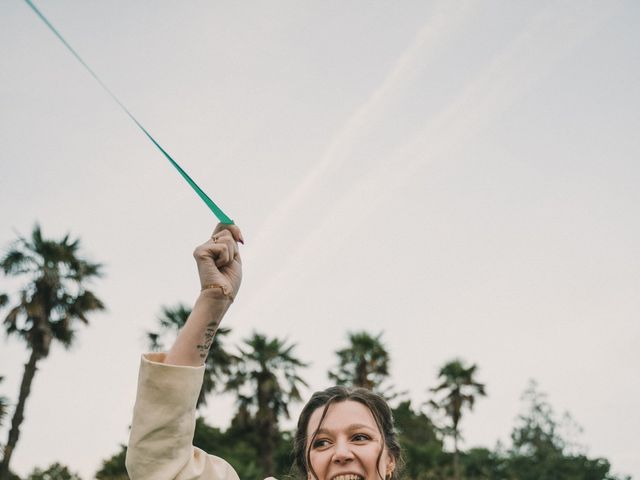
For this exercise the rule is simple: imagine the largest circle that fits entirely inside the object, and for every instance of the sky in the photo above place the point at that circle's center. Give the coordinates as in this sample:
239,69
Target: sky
461,176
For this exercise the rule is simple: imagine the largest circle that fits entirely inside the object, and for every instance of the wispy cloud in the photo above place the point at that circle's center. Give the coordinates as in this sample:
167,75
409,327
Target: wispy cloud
445,21
547,38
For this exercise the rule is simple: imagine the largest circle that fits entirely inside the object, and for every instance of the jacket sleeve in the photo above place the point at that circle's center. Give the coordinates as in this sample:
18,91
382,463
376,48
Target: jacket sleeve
161,440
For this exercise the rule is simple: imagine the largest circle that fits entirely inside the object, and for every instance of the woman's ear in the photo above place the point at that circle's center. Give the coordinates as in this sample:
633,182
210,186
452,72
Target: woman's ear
391,466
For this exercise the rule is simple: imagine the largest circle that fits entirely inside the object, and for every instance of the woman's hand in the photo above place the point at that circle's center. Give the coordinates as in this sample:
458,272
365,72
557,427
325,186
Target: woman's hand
218,259
218,264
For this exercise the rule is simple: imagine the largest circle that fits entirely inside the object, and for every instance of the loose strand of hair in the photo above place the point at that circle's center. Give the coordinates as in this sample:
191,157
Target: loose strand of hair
315,434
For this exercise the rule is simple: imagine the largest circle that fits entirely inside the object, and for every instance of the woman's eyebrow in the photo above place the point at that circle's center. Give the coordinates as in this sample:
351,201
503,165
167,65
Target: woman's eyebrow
350,428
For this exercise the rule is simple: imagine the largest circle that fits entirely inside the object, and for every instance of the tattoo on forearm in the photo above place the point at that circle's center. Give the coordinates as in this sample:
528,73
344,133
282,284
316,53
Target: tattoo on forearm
207,340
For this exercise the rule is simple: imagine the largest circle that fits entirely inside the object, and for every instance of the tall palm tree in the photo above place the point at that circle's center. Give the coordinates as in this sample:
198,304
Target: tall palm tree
3,405
364,363
460,389
4,299
266,383
219,362
53,299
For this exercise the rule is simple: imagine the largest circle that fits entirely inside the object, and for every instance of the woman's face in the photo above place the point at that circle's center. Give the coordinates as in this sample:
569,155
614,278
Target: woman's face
347,444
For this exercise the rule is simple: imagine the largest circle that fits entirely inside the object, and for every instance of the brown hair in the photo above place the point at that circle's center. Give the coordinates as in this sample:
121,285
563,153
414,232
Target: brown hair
376,404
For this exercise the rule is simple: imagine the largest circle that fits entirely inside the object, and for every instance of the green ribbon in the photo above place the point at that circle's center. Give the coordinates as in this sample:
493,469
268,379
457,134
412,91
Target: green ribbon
205,198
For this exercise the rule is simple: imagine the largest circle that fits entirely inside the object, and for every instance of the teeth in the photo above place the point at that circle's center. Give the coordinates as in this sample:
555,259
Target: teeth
348,477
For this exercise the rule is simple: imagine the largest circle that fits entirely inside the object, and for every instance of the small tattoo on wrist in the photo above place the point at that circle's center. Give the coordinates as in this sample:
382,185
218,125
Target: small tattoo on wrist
207,340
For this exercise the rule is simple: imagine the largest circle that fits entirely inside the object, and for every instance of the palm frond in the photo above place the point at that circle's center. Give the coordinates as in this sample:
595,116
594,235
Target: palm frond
54,297
16,262
153,340
11,320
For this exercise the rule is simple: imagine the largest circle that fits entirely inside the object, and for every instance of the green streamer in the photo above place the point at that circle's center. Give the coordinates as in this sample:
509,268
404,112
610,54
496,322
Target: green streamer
205,198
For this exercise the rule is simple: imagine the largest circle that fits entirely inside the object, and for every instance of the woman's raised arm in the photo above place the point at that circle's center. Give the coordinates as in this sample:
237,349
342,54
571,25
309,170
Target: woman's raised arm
161,440
220,271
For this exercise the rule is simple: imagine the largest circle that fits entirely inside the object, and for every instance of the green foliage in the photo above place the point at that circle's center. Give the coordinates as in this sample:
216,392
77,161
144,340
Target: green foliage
421,445
483,464
363,363
266,378
536,433
284,455
55,471
238,446
265,382
558,467
541,452
113,468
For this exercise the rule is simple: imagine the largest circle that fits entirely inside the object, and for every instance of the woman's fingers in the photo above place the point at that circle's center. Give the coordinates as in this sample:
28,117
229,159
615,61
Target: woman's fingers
225,247
232,229
221,254
218,259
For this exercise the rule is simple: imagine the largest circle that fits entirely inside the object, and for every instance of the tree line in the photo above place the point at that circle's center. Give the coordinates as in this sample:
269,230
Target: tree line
264,374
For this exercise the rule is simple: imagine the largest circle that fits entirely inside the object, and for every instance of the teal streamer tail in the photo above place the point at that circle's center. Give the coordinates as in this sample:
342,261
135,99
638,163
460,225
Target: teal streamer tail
222,217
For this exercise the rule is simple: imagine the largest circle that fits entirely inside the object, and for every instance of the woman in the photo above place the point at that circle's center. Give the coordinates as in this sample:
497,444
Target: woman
342,434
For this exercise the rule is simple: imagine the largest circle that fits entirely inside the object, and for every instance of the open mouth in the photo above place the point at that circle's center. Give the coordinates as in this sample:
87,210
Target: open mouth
348,476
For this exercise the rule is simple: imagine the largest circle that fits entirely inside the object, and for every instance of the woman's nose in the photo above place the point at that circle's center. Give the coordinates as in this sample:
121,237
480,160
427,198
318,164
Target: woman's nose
342,453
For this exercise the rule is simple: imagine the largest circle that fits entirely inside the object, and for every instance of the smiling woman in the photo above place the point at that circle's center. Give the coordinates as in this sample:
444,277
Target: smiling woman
342,434
347,434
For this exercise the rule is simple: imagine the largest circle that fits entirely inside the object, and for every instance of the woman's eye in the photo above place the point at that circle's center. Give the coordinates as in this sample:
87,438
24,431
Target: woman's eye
320,443
360,437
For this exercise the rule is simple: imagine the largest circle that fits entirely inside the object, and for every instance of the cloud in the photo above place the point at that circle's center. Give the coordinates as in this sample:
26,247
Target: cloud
548,37
446,19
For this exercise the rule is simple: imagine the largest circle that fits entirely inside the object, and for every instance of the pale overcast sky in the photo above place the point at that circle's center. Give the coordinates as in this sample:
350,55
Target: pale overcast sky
460,175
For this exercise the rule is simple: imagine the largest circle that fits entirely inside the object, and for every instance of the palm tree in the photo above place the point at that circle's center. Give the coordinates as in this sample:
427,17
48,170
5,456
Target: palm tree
460,389
4,299
55,471
113,468
266,383
3,405
219,362
364,363
53,299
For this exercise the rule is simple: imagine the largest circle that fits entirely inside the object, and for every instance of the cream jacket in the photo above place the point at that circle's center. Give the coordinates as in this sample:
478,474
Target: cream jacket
161,440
